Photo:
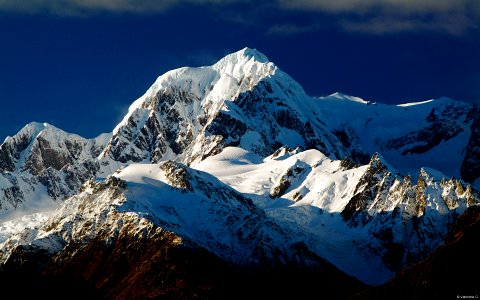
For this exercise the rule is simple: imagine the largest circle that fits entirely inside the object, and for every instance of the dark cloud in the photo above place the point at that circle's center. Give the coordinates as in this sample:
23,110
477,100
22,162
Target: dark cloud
451,24
406,7
86,7
365,16
393,16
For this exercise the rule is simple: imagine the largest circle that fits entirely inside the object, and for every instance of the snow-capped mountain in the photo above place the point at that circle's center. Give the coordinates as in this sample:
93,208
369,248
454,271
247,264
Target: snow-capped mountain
235,161
191,113
356,211
244,100
409,136
43,163
167,204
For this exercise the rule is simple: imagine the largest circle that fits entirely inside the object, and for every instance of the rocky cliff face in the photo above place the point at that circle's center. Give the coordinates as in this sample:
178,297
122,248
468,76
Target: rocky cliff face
442,124
409,218
112,237
44,159
371,210
432,277
192,113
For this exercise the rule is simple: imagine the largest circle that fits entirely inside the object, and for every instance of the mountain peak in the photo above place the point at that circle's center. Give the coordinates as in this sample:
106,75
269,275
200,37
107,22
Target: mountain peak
377,162
30,131
243,56
249,53
32,128
253,53
35,129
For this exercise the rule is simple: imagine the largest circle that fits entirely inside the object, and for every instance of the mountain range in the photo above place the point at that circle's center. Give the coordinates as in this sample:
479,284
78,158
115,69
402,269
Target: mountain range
228,181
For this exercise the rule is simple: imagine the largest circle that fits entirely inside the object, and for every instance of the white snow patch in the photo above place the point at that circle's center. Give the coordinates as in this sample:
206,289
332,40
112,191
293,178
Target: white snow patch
415,103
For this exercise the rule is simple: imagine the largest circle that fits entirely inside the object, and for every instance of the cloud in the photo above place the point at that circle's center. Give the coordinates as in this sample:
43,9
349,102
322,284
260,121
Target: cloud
87,7
396,6
454,25
392,16
79,7
365,16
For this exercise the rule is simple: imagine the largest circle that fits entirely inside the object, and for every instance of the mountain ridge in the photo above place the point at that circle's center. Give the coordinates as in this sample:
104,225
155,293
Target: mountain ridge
329,180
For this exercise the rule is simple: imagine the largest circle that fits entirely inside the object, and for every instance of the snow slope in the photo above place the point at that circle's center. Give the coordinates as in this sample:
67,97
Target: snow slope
195,206
357,212
432,133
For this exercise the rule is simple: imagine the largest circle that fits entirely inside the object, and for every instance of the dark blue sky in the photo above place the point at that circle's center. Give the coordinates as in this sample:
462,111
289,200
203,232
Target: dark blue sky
79,64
